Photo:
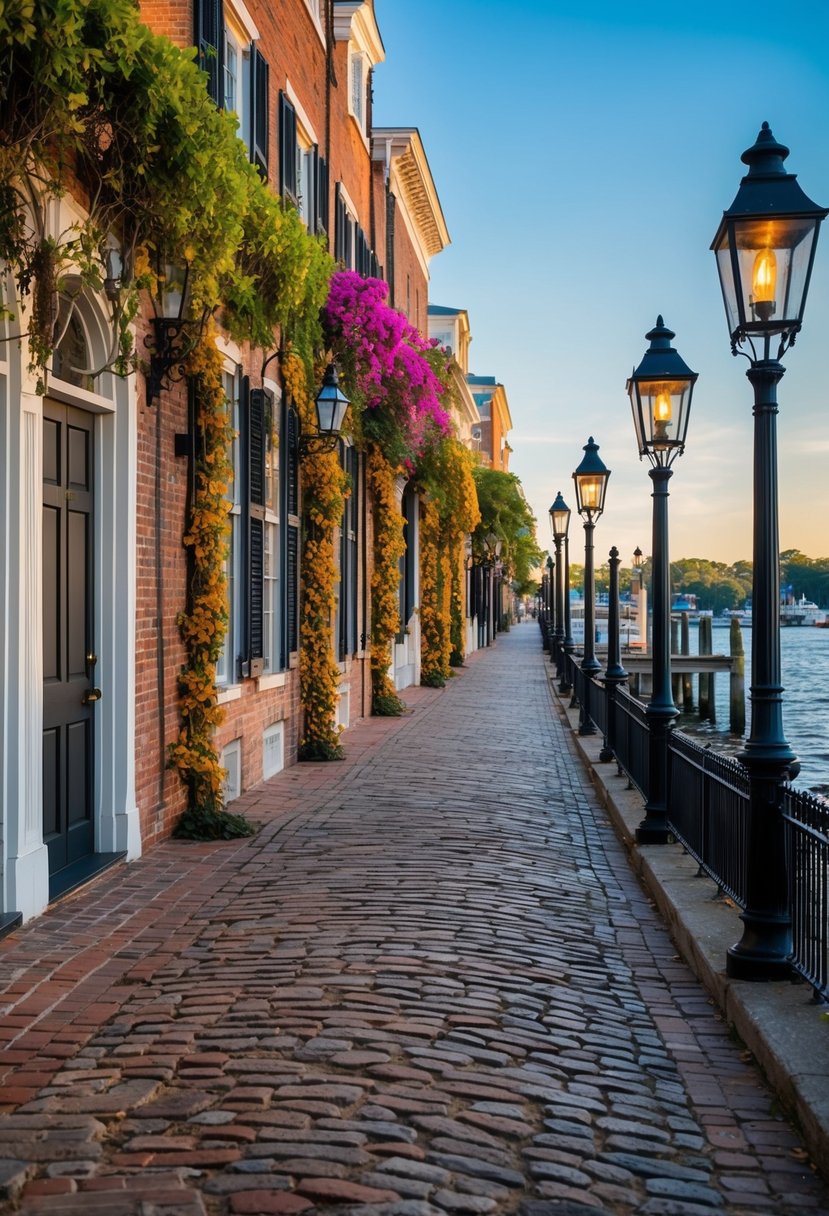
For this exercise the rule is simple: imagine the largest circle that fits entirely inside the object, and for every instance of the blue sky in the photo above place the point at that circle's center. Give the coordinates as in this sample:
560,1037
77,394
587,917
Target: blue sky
583,164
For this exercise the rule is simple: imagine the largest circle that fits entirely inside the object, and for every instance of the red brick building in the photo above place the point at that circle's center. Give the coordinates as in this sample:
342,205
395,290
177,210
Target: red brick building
300,77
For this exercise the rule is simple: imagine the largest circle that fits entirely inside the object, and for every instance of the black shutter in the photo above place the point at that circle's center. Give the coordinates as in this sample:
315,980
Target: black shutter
340,226
292,597
208,34
257,412
407,588
292,456
321,218
353,466
287,150
289,454
259,110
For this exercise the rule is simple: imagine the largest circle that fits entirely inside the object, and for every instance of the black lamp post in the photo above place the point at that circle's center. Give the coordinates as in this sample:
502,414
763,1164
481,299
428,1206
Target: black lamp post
492,548
642,617
590,478
561,527
559,523
765,248
660,392
614,673
548,606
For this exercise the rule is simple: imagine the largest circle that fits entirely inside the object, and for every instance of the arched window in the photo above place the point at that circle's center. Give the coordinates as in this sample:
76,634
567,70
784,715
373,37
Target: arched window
71,357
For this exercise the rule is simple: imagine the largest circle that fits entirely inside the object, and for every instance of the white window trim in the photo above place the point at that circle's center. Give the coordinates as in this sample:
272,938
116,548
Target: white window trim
313,7
275,679
236,13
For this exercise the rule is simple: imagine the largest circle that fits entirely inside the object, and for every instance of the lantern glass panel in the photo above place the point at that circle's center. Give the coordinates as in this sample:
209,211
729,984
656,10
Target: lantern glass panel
561,522
172,288
332,404
589,486
664,412
773,261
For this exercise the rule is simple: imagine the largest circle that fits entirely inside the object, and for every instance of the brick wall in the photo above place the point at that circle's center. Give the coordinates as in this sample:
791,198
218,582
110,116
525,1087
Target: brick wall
295,53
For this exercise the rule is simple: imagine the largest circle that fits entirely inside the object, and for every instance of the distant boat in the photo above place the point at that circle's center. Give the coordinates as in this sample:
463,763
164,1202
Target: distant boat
802,612
743,615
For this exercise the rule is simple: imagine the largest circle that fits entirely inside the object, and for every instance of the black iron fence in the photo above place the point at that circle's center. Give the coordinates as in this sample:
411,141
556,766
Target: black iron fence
807,842
708,800
629,738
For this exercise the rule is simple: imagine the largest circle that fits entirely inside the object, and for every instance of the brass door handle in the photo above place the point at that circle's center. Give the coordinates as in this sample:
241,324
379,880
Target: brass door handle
91,695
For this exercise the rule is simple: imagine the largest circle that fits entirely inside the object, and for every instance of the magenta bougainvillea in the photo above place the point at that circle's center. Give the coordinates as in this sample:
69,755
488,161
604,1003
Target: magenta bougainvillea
397,377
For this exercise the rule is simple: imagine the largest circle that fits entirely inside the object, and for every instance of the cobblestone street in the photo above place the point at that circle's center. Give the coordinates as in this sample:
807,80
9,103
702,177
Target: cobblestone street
430,984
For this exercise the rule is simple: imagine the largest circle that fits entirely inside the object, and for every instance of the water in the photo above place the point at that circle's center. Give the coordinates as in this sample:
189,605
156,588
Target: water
804,653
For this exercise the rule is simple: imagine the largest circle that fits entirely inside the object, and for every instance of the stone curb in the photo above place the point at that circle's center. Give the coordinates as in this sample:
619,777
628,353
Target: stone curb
780,1024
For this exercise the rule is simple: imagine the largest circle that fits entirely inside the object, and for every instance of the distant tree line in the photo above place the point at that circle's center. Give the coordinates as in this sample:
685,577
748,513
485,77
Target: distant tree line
718,586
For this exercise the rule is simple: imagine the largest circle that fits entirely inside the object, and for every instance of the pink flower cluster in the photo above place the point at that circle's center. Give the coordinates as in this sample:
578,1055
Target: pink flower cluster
392,371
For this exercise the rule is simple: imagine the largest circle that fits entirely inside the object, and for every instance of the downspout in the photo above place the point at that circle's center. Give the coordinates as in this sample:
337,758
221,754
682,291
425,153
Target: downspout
330,82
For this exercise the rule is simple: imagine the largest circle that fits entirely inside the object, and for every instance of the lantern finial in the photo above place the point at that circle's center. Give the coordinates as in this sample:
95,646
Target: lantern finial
765,156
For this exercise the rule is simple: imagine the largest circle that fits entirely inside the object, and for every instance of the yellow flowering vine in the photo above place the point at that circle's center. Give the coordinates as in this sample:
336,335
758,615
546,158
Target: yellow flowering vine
324,486
448,515
389,547
435,596
203,624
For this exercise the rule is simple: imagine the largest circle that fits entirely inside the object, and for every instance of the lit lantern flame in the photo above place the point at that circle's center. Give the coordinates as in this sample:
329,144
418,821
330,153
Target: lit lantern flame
661,414
764,286
764,277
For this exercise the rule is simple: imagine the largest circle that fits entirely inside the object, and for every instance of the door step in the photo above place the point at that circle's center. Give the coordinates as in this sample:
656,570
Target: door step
62,882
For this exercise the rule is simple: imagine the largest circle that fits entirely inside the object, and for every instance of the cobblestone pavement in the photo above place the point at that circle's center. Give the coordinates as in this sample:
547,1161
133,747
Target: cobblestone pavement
429,985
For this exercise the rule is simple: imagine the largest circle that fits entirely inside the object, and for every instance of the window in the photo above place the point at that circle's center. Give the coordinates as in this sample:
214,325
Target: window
357,66
71,357
226,664
232,72
303,173
237,74
306,180
351,246
262,565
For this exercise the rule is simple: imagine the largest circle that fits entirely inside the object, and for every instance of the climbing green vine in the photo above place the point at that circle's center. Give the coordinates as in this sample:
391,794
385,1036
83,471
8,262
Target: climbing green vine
120,118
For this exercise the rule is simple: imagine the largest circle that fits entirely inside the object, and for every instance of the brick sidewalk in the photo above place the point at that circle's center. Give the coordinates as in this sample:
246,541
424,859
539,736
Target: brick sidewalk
430,984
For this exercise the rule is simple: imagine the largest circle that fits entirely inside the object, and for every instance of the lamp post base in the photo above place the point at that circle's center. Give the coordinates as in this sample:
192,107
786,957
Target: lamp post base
653,831
763,952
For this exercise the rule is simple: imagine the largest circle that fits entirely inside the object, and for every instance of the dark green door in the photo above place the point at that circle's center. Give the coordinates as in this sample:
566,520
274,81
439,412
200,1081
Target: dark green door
68,661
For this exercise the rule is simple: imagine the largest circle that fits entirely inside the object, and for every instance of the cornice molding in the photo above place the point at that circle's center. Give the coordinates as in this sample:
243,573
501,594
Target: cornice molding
401,150
354,21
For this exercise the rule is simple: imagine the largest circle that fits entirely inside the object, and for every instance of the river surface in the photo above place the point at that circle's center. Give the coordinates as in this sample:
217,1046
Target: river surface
804,653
